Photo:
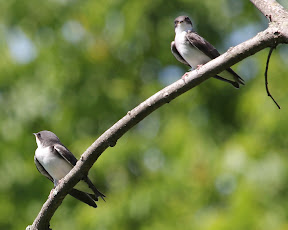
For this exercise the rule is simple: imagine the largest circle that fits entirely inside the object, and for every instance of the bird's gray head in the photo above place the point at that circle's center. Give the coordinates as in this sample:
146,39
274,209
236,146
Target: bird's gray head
183,23
46,138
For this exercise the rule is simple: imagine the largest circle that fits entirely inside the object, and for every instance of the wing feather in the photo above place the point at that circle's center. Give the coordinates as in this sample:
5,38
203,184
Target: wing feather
42,170
66,154
177,55
201,44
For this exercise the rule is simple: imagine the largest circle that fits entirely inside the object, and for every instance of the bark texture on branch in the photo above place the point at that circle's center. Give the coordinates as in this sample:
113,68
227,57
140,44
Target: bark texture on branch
276,14
276,33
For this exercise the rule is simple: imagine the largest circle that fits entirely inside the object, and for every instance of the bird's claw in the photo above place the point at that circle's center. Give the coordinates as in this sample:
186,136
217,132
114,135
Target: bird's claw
184,75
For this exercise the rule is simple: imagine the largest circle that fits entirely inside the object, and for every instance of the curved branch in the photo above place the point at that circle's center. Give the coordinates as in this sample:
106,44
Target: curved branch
267,38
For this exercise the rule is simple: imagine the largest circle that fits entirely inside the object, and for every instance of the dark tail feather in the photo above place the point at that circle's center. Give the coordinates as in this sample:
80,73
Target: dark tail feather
237,77
94,189
82,196
234,83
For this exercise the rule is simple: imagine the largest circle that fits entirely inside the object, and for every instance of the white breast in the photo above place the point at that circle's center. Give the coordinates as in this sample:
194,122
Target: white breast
191,54
56,166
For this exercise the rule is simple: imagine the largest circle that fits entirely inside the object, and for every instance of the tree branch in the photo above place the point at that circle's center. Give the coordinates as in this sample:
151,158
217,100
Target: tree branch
277,15
269,37
271,9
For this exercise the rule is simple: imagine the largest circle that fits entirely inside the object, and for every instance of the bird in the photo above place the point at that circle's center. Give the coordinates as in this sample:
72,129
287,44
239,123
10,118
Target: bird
193,50
54,161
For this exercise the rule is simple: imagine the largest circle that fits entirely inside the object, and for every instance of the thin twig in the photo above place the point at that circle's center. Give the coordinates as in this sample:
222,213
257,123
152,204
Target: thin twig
266,77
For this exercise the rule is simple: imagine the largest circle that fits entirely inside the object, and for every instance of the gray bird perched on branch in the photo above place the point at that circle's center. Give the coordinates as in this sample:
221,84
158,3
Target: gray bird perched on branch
55,161
191,49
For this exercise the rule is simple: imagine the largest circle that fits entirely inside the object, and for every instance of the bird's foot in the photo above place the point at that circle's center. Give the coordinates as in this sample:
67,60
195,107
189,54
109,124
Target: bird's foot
199,66
185,75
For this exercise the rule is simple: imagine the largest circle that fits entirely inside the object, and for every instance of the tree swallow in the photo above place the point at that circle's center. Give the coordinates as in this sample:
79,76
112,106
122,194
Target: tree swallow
54,161
191,49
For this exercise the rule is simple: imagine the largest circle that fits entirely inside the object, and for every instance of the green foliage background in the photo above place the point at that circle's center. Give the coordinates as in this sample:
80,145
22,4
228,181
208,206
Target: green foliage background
214,158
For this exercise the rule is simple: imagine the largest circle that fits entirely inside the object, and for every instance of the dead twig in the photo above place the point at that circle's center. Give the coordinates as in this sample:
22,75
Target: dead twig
266,76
